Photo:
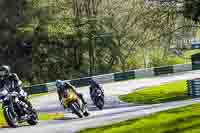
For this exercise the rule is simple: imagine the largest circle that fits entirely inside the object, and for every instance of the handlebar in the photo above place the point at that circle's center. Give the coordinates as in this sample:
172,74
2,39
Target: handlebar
7,93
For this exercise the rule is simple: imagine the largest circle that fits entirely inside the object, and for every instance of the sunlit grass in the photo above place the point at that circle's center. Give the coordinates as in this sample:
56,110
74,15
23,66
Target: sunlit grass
157,94
180,120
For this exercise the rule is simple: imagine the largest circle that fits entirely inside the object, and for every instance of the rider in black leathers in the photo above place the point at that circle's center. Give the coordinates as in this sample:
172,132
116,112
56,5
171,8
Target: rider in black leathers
12,82
95,85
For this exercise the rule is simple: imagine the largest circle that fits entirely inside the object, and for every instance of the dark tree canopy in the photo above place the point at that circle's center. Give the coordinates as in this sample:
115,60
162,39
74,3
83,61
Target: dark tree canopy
192,9
13,50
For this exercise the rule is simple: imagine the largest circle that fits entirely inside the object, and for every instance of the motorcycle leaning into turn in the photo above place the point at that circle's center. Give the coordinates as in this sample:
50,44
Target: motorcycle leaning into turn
15,110
70,99
97,95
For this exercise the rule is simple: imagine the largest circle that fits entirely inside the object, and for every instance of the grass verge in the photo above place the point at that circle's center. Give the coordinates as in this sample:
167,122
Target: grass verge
50,116
180,120
189,53
158,94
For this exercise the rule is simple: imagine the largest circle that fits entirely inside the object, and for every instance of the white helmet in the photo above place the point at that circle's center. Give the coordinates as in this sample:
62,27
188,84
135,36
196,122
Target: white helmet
59,83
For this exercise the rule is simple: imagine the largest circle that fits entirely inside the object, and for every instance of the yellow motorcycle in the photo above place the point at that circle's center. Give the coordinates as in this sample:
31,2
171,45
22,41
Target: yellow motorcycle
72,101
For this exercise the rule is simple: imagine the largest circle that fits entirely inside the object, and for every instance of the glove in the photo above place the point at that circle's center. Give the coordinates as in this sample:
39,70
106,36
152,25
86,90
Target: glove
61,102
23,93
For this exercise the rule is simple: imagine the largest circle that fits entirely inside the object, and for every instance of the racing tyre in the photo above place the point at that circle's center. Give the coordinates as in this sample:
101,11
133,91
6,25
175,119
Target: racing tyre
76,109
100,102
10,117
34,118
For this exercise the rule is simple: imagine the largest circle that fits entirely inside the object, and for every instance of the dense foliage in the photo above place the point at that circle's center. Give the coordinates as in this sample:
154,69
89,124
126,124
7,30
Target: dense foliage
71,39
13,50
192,9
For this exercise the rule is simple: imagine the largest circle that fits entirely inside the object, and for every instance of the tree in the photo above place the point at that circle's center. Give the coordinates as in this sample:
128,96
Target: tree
13,52
192,9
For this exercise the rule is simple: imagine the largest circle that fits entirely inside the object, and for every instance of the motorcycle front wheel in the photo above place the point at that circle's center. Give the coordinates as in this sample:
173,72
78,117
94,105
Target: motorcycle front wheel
76,109
10,117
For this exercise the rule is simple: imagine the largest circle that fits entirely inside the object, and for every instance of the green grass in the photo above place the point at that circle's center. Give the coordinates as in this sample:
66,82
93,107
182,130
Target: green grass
158,94
189,53
180,120
2,120
50,116
186,57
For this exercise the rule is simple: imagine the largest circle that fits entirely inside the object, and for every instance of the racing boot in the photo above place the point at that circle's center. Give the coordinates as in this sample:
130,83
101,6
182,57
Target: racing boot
62,104
82,99
86,112
85,109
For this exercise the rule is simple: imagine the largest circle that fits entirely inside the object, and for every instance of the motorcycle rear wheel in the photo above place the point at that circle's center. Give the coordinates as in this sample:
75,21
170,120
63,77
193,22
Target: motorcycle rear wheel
34,118
99,105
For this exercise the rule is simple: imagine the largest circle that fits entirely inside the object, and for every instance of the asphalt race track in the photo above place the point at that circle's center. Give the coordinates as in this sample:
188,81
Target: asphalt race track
115,110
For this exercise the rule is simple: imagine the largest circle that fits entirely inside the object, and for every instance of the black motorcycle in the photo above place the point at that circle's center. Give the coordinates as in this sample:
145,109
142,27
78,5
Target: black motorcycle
97,96
15,110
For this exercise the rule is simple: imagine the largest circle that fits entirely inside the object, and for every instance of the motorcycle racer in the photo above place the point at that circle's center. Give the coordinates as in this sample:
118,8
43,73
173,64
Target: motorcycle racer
11,82
62,86
93,86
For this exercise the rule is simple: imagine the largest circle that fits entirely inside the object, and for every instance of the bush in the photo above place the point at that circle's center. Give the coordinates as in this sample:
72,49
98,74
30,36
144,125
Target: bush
157,59
26,83
173,60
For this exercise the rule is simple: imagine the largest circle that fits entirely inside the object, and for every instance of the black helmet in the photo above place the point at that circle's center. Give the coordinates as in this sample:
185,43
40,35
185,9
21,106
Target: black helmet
4,71
93,82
